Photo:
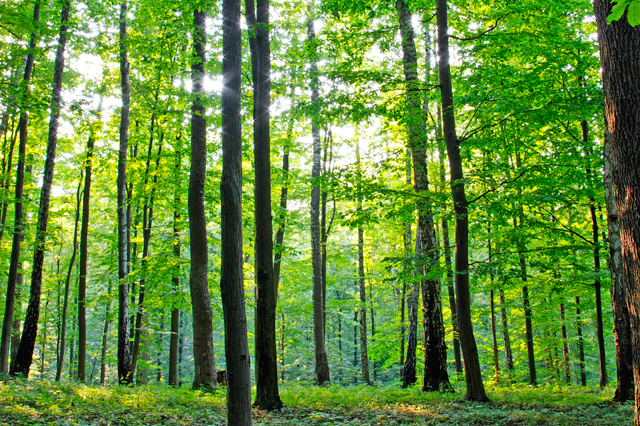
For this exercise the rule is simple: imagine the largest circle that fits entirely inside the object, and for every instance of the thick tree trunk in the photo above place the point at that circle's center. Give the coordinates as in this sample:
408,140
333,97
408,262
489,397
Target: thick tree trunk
231,281
30,329
67,284
124,356
620,59
621,323
204,358
267,394
322,364
473,374
18,234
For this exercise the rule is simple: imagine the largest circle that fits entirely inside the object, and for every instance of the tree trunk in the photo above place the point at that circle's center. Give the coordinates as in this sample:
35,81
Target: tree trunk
30,329
175,312
267,394
409,376
619,57
105,336
473,374
322,364
18,234
581,363
622,328
231,281
6,167
124,357
505,331
565,345
67,284
362,308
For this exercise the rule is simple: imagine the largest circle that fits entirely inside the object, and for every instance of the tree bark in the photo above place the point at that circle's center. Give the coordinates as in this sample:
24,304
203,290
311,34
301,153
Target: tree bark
581,363
619,57
362,308
409,376
505,331
322,364
204,358
175,312
473,375
30,329
18,234
565,346
231,281
621,321
267,394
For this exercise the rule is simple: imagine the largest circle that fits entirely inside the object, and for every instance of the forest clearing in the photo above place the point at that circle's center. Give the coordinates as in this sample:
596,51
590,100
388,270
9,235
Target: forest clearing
320,212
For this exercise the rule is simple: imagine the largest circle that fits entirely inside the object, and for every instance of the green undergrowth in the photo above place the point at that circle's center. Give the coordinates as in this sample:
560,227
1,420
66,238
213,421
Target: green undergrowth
41,402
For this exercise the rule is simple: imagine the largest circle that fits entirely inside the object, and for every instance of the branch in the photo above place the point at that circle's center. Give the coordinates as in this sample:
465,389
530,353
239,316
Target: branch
566,228
488,30
495,188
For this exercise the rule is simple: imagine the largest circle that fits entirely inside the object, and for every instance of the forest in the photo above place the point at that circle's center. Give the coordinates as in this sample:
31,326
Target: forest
320,212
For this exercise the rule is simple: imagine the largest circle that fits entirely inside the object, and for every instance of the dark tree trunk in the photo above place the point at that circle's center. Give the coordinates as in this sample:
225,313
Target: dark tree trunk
30,329
620,59
435,376
565,345
581,362
409,375
322,364
505,331
204,358
231,281
362,308
175,312
355,346
267,394
105,337
6,167
124,356
18,235
67,284
473,374
621,323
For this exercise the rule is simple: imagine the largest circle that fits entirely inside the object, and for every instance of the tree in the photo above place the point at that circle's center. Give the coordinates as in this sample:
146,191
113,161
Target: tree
204,358
619,57
231,277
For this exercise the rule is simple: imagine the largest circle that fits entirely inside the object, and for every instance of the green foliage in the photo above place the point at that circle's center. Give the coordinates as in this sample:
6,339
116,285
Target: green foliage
633,11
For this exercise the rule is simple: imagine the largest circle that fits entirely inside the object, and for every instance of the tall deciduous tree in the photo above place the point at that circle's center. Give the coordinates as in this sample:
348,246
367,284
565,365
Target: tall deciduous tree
231,274
204,358
472,372
30,329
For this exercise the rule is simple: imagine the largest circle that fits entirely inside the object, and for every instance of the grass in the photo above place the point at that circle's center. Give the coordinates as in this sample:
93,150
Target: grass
41,402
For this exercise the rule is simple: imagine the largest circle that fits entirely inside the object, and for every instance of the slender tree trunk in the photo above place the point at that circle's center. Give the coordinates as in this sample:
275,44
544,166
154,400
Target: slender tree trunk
473,375
43,350
622,327
18,234
581,362
67,284
407,255
322,364
505,331
231,281
6,165
619,57
267,394
30,329
362,309
124,356
565,345
175,312
204,358
105,336
72,344
409,376
355,346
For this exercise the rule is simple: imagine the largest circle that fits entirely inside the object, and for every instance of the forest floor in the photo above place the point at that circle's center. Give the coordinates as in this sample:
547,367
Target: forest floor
43,402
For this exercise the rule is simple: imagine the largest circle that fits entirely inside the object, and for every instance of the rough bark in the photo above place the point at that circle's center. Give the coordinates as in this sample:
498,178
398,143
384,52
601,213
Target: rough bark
27,342
204,358
621,322
322,364
620,63
18,230
124,357
231,281
473,375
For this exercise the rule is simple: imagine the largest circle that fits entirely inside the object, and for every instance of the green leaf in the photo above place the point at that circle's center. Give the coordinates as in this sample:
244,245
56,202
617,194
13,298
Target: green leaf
618,10
634,13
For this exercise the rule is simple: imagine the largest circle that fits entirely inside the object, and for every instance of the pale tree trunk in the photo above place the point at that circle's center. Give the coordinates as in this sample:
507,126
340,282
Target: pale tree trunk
473,375
124,356
15,264
27,342
231,279
322,364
